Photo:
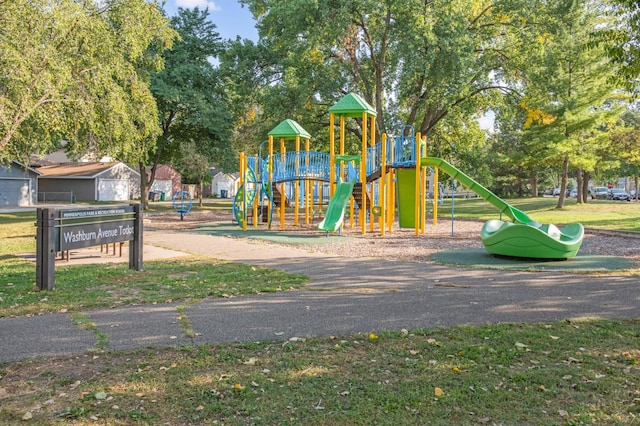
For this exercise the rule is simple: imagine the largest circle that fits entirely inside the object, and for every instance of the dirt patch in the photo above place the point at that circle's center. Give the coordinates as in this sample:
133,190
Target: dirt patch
401,244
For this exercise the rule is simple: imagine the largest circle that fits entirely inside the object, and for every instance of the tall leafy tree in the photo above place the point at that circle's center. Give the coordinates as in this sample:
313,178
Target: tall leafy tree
622,41
626,143
77,70
416,62
194,167
569,96
190,97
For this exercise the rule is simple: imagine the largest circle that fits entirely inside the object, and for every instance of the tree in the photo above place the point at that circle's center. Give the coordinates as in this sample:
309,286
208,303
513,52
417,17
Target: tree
77,71
416,62
626,140
622,41
190,97
569,96
194,166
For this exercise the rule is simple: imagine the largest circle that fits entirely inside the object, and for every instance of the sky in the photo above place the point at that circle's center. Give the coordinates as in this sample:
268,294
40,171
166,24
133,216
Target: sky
229,16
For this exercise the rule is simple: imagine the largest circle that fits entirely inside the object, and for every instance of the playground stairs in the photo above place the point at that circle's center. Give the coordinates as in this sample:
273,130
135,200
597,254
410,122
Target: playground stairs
277,197
375,175
357,195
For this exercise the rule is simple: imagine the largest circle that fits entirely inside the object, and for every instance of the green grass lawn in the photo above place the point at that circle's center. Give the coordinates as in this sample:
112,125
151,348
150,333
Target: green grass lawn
79,287
603,214
578,373
565,373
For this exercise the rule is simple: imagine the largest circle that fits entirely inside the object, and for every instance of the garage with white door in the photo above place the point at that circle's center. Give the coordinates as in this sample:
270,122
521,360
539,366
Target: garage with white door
91,181
113,190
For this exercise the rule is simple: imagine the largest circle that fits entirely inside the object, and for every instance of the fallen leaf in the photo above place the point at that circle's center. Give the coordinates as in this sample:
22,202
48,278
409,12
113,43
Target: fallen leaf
27,416
520,345
238,386
250,361
100,395
438,392
554,337
372,336
563,413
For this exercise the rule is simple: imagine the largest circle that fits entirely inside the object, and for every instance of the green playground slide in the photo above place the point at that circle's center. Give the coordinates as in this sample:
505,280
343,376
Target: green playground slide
514,214
524,237
337,207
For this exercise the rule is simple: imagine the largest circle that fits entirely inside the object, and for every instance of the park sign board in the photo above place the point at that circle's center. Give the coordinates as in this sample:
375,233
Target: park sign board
60,230
94,227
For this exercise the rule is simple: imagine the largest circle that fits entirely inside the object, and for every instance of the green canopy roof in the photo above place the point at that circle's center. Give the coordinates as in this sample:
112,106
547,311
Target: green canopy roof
352,105
289,129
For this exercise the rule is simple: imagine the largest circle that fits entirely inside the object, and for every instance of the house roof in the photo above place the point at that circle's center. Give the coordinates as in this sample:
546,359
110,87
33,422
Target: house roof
31,169
86,170
61,156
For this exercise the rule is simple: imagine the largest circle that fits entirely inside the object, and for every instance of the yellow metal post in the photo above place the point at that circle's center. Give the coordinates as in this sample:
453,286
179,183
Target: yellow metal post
283,157
271,201
296,185
417,181
332,158
343,128
391,214
243,168
383,186
307,187
372,142
435,196
363,175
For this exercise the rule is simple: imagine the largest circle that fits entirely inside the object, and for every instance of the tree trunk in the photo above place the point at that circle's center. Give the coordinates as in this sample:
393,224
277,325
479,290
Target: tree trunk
579,186
585,186
201,186
534,184
563,182
144,188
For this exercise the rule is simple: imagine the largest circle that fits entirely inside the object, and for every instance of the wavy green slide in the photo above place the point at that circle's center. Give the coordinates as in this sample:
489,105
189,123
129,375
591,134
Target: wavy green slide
522,238
337,207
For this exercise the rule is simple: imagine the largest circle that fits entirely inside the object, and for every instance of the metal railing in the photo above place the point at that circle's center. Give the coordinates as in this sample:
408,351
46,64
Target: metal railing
58,197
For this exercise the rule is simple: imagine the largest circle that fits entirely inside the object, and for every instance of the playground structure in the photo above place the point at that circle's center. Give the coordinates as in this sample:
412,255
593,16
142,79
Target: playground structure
385,177
182,203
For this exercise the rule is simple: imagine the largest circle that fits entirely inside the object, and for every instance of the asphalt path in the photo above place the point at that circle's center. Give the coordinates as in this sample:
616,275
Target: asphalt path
345,296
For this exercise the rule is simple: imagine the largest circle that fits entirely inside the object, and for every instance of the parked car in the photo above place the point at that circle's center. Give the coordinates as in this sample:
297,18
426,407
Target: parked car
599,192
618,194
632,193
573,193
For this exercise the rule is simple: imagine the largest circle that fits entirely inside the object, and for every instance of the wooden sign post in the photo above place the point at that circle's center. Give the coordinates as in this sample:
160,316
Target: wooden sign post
59,230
